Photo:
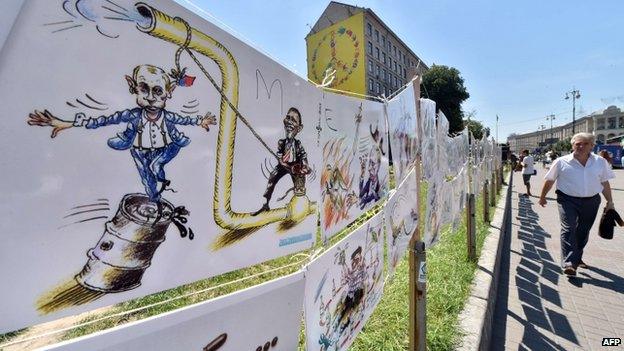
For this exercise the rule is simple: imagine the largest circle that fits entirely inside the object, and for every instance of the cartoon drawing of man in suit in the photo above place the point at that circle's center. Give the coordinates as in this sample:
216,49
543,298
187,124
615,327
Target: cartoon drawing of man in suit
292,157
151,134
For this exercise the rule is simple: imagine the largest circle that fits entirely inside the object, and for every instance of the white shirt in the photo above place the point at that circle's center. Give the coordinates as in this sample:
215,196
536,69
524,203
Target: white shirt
527,161
154,133
575,180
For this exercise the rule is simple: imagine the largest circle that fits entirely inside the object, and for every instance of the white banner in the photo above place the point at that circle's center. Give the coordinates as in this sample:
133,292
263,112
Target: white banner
401,111
264,317
343,286
354,175
401,219
141,101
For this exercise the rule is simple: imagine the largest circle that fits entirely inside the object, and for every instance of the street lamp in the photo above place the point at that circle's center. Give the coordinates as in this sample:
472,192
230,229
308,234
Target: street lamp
551,118
576,94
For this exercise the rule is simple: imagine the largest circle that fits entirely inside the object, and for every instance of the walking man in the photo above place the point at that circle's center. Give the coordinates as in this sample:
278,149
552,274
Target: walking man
581,176
528,169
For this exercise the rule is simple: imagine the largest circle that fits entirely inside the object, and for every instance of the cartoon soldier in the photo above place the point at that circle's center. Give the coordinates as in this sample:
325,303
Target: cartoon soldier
151,133
370,189
291,157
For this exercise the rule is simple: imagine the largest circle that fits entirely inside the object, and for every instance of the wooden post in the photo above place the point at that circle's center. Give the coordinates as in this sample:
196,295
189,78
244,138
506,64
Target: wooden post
493,191
417,259
471,227
486,201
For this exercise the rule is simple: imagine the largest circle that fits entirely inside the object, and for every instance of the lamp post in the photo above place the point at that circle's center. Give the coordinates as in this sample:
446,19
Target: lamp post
576,94
551,118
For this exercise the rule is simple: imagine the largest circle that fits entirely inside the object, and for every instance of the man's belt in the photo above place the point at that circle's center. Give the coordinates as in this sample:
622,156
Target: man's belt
559,192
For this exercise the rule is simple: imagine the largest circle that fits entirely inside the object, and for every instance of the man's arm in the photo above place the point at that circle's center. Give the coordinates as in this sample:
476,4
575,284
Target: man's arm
606,192
545,189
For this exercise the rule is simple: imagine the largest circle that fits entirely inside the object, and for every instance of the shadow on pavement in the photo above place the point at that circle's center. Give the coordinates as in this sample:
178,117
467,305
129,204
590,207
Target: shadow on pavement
535,262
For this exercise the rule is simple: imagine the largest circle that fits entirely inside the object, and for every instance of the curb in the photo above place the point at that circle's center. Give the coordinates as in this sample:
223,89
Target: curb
475,320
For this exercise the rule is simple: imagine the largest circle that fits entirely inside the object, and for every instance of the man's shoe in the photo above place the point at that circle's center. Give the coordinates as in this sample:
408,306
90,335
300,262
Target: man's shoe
264,207
570,271
583,265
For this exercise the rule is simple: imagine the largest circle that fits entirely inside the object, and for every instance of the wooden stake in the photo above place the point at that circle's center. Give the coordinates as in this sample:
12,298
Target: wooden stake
471,227
486,201
417,260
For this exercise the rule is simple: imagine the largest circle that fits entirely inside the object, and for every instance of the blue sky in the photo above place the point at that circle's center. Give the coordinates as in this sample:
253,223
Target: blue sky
517,58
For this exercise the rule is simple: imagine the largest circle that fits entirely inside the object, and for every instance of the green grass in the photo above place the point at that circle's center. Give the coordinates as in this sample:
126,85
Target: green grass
449,277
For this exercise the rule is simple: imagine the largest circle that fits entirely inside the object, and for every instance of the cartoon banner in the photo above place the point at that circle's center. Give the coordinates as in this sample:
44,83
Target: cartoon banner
177,153
234,322
343,286
8,16
404,142
354,174
401,219
428,142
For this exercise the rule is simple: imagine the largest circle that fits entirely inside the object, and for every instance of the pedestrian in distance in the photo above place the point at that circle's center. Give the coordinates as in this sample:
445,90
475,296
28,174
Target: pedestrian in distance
528,170
580,176
605,154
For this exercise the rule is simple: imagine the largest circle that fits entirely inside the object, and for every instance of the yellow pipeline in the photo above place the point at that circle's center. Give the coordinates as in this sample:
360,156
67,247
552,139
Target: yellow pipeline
165,27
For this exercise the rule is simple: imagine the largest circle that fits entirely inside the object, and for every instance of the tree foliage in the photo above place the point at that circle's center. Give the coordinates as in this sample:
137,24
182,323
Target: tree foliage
445,86
477,129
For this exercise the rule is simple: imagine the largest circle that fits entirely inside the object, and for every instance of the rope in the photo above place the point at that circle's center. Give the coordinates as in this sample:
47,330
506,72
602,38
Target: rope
184,47
129,312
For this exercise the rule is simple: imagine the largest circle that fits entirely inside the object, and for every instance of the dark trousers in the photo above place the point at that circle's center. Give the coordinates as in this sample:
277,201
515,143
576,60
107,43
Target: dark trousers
577,215
151,166
278,172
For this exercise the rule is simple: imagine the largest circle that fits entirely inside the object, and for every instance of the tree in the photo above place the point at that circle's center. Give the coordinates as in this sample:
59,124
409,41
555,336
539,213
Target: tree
563,145
477,129
445,86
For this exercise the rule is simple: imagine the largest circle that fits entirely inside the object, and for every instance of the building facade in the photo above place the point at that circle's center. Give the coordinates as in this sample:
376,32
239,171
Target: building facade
368,57
604,124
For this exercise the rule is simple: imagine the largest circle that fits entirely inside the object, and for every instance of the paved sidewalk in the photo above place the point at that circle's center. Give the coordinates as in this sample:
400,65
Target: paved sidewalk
538,308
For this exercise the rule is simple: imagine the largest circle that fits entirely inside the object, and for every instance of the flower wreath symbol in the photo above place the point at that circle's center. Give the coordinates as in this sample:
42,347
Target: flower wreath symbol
334,62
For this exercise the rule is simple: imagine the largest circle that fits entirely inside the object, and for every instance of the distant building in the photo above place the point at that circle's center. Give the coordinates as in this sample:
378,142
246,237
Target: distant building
369,58
605,124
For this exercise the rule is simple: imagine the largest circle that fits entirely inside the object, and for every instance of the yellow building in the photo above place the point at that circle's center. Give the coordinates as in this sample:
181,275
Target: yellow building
368,58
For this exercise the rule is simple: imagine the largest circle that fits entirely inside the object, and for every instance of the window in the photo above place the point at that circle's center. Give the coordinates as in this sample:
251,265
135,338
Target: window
383,41
404,73
385,76
396,82
370,66
621,122
390,62
612,123
395,66
386,91
383,55
378,71
378,88
370,48
600,124
376,35
377,53
370,85
400,70
394,49
369,29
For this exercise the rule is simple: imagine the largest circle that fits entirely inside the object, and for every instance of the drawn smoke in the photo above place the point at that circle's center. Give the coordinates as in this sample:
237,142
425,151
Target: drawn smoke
104,15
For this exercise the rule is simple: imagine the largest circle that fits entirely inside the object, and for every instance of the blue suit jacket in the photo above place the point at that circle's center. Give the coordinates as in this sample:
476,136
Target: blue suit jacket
124,140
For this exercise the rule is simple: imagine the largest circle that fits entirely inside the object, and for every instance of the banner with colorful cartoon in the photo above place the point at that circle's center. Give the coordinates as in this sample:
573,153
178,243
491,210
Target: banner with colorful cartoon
239,321
402,124
354,174
145,148
343,286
